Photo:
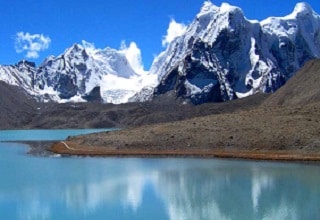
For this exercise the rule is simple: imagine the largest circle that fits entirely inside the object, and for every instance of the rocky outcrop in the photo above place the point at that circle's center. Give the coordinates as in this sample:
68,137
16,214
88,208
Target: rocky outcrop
94,95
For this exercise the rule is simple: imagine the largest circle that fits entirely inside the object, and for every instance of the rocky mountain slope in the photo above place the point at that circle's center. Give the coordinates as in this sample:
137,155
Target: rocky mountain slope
16,108
224,56
21,75
301,89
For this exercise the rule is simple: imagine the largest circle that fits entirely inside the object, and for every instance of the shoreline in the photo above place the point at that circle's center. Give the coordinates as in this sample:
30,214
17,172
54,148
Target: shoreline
68,148
50,148
38,148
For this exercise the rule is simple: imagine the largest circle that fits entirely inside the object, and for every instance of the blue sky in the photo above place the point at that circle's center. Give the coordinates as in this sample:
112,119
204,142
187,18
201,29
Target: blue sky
60,23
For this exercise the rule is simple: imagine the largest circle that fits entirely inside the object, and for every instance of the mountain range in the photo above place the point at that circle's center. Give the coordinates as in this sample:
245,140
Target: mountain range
221,56
81,73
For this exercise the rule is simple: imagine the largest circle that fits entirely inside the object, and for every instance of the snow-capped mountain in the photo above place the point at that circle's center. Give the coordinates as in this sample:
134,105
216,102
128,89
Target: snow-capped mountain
81,73
20,75
223,56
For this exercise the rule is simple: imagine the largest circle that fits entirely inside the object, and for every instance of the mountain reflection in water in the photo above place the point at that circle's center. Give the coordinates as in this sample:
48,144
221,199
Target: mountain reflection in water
132,188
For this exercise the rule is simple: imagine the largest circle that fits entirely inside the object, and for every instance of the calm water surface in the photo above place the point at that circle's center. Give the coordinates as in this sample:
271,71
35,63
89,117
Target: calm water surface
44,135
131,188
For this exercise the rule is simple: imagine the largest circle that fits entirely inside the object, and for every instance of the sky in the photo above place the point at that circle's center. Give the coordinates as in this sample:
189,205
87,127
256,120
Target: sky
35,29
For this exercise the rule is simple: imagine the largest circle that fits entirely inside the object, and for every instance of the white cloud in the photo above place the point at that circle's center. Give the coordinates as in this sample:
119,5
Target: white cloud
174,30
133,55
31,44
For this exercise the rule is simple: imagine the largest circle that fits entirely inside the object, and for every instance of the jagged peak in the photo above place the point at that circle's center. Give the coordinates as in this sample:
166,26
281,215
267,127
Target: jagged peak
74,47
47,60
225,8
76,50
302,8
26,63
207,7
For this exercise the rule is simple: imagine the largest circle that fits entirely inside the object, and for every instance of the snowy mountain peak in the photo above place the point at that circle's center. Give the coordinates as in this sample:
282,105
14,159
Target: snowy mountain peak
223,56
76,51
208,7
47,59
82,73
25,64
227,8
71,50
20,74
302,8
83,70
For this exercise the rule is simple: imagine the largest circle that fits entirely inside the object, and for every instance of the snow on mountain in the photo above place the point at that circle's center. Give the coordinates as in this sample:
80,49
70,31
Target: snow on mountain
20,75
220,56
223,55
83,73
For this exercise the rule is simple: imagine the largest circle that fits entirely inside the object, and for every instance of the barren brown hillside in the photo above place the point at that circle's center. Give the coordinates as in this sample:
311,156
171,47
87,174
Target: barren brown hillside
303,88
16,108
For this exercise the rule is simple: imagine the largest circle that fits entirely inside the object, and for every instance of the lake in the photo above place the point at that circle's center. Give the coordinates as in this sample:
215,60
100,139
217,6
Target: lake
165,188
44,134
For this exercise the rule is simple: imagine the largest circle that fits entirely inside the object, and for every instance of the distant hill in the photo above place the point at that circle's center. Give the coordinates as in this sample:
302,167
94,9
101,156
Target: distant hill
303,88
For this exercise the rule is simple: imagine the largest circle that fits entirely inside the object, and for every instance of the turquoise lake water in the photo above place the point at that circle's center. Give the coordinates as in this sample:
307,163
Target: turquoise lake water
166,188
44,135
